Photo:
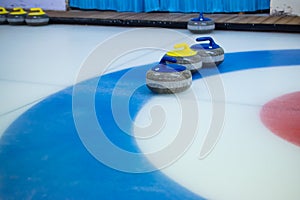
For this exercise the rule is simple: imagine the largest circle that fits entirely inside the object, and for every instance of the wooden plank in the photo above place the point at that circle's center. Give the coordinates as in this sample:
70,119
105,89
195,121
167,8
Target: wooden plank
294,21
225,19
57,14
167,17
150,17
284,20
247,19
258,20
158,17
183,18
288,20
78,14
131,16
241,19
178,17
121,15
271,20
217,17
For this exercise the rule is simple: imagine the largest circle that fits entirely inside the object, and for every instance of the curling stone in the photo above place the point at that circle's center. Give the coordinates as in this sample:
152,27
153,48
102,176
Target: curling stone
37,17
211,53
186,57
17,16
3,15
167,78
201,24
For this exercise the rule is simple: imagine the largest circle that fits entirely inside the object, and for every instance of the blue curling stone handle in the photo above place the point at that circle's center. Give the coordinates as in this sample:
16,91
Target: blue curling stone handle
164,67
166,59
201,18
210,45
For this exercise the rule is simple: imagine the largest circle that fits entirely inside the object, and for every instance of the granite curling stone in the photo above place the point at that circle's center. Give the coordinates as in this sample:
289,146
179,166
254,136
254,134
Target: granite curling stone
168,78
17,16
201,24
186,56
3,15
211,53
37,17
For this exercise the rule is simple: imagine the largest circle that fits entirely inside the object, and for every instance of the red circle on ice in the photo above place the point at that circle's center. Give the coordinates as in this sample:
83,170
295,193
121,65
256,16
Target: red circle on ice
282,117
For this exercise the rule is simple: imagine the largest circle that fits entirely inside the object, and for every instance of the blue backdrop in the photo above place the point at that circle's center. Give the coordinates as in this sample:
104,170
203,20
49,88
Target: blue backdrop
207,6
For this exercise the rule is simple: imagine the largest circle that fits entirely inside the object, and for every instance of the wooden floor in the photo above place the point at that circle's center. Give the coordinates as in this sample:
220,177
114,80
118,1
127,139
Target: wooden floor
254,22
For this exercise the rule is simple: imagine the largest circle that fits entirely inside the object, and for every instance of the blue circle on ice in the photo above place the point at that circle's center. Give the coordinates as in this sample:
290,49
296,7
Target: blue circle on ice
42,157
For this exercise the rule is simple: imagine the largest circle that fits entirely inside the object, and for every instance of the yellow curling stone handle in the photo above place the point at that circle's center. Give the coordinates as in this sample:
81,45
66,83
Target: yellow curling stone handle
182,50
36,11
18,11
3,11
